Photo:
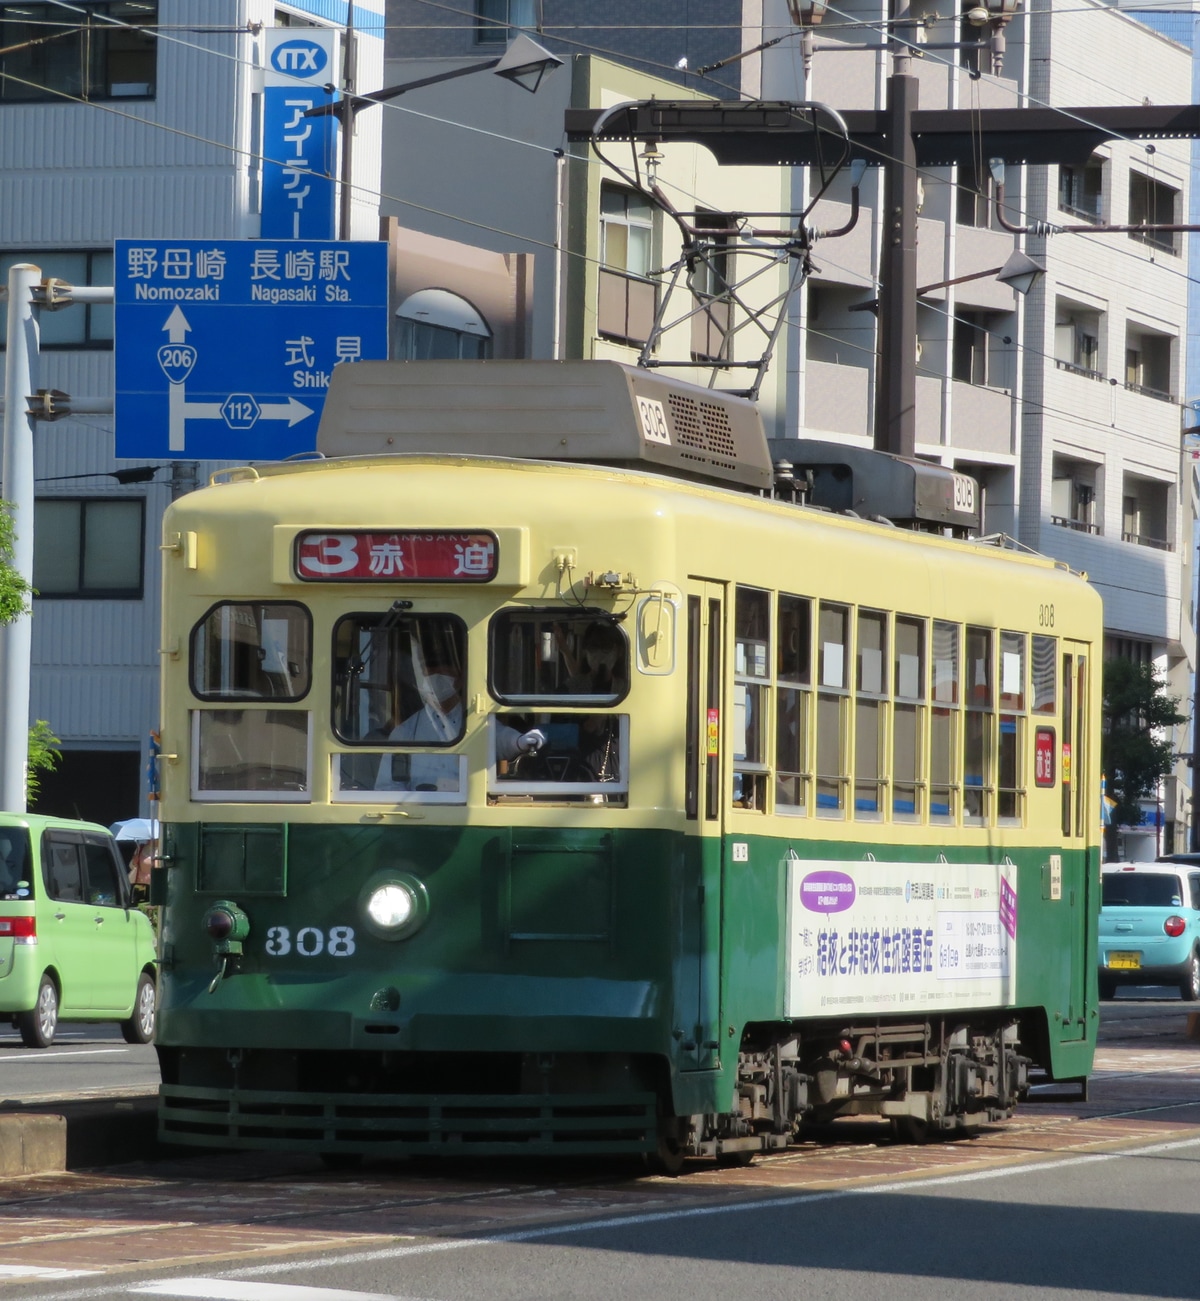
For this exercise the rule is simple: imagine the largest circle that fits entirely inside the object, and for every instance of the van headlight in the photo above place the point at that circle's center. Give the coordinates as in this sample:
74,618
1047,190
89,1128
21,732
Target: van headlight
394,905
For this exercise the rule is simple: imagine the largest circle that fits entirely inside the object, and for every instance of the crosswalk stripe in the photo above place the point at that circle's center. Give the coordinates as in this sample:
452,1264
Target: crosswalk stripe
232,1289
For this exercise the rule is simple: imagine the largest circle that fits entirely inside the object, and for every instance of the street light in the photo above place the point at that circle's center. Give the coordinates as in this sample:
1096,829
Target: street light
524,63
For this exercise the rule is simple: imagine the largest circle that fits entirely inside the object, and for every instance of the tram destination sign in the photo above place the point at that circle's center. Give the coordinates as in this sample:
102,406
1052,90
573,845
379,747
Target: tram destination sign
225,348
415,556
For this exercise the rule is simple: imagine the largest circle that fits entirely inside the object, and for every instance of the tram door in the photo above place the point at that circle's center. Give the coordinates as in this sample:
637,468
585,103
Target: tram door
697,987
1080,818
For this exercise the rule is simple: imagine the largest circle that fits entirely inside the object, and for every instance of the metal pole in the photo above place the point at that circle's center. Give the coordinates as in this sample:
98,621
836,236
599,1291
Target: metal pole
346,116
896,382
16,487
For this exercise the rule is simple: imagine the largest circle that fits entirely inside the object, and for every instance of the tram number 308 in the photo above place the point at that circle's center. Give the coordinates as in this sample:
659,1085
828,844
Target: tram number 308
310,941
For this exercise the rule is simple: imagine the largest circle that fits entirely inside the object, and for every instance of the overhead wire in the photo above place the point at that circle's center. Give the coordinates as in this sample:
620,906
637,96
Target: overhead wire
427,210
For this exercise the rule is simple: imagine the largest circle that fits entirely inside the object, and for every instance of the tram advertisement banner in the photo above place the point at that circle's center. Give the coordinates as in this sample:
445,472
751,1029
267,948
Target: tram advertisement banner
883,937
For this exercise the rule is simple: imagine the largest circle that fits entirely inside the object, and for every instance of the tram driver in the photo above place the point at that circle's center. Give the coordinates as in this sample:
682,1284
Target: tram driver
439,720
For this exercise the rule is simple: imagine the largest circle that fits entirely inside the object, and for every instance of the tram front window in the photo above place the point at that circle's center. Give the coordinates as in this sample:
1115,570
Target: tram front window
398,683
252,650
580,757
575,656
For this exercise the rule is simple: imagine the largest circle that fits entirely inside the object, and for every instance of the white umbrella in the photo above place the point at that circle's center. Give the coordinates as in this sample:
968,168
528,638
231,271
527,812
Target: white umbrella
139,829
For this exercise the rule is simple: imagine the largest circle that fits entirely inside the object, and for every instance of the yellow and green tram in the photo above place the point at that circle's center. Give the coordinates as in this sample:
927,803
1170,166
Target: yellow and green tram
540,776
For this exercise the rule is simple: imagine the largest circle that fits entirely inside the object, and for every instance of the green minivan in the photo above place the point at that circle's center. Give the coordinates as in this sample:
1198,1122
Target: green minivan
72,945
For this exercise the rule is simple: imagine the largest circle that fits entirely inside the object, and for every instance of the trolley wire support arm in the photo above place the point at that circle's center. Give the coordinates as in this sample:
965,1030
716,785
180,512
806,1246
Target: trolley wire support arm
707,246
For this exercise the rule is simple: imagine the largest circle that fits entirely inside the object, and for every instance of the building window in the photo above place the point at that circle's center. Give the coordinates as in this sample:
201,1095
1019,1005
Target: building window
96,51
285,19
497,21
88,547
628,298
1080,189
436,325
1077,340
82,325
1152,203
709,282
1073,494
980,349
1148,364
1145,513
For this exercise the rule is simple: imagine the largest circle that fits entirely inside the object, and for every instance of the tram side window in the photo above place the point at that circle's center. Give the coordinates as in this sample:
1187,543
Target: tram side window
977,738
1044,674
943,723
908,718
793,668
833,645
578,656
1010,777
870,713
980,703
751,696
252,651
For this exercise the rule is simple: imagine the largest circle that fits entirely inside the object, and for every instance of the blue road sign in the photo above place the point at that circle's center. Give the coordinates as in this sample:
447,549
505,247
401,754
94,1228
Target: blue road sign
224,349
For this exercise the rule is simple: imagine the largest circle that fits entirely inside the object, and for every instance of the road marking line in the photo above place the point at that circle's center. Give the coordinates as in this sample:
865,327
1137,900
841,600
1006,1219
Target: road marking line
232,1289
40,1272
46,1056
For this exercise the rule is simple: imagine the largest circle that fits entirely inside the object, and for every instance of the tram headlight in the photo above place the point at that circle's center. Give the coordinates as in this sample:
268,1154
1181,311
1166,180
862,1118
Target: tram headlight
227,926
393,904
390,906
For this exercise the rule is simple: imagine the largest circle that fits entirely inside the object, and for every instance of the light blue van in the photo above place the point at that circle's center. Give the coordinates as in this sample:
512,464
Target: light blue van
1150,927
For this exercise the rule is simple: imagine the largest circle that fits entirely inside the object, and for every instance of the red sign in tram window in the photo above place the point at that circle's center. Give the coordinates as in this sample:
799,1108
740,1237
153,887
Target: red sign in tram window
1043,756
407,556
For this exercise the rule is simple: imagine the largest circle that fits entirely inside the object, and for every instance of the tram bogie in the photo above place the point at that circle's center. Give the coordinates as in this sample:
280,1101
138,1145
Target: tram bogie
609,802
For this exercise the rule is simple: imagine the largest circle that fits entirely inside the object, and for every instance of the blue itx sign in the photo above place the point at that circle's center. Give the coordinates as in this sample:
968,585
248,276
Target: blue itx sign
225,348
299,153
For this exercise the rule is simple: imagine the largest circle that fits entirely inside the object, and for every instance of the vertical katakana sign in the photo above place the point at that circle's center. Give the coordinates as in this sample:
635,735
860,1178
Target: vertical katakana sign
299,153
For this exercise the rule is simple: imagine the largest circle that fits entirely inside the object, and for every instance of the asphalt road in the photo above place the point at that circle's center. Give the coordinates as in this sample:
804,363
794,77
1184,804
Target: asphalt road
1086,1197
1092,1225
83,1061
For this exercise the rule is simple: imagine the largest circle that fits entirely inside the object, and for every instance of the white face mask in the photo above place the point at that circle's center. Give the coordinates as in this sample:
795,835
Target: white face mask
602,659
439,690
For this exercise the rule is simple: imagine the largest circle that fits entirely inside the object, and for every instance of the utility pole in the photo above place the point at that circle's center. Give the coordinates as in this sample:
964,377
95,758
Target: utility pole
24,405
896,376
16,487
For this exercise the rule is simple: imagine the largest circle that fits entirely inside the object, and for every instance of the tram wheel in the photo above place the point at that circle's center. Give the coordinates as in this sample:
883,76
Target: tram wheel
668,1157
736,1160
910,1129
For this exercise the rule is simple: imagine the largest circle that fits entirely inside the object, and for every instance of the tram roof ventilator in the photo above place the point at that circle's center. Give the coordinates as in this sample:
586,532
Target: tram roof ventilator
606,413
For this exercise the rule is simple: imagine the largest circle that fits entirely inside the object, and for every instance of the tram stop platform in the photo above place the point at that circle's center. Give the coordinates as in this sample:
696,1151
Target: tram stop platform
52,1135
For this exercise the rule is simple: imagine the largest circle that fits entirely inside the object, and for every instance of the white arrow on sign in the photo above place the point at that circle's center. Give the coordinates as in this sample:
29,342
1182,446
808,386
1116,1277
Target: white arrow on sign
180,410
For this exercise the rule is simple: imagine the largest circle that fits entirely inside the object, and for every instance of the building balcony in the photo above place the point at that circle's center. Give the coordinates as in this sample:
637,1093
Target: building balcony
1079,525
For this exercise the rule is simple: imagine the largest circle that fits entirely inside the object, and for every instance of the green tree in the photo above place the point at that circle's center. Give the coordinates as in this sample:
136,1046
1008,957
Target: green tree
14,590
1135,753
44,752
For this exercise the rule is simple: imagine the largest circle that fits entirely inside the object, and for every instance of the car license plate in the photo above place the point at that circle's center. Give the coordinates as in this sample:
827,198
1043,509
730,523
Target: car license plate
1124,961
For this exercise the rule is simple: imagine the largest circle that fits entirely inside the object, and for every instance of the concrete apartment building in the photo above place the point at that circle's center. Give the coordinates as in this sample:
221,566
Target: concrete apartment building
1067,409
